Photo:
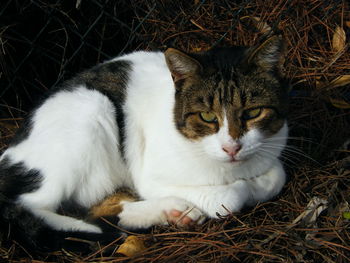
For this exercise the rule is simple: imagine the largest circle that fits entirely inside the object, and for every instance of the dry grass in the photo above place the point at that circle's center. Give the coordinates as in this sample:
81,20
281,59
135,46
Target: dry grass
281,230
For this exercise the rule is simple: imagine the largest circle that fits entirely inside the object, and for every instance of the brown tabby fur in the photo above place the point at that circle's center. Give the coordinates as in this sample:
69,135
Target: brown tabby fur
217,82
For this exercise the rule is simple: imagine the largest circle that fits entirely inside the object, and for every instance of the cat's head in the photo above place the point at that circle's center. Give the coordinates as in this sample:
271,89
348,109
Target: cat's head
231,101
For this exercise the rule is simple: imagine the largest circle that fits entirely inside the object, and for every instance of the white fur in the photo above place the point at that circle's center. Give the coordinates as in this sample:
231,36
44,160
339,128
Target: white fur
74,143
144,214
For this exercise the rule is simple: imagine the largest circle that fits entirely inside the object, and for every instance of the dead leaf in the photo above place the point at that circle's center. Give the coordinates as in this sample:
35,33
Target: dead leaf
339,38
340,81
132,246
312,211
337,82
308,217
340,103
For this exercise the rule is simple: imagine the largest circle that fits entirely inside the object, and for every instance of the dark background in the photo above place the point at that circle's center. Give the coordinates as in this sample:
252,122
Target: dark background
44,42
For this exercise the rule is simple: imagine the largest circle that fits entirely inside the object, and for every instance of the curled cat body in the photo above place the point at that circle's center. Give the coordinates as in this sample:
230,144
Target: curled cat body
195,135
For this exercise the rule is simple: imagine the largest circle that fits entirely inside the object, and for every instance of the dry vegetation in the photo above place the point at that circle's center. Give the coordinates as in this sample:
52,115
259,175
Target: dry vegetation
310,220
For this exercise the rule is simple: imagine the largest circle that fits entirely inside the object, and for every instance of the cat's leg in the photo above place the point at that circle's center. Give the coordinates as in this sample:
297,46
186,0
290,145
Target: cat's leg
266,186
213,200
224,199
65,223
147,213
43,203
219,200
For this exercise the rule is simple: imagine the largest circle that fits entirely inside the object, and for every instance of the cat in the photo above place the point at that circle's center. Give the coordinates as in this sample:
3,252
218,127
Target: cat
195,135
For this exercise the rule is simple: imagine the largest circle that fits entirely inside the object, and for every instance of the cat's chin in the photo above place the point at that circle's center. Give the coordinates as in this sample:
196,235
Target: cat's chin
234,162
227,162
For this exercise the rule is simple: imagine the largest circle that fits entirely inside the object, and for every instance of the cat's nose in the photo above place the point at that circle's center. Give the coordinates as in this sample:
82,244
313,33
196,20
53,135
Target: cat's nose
231,150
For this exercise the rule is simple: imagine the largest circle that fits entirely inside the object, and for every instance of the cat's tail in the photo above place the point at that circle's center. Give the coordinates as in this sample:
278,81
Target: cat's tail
31,232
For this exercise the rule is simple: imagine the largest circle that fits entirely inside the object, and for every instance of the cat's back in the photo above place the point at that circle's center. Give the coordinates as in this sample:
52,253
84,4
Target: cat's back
150,89
148,71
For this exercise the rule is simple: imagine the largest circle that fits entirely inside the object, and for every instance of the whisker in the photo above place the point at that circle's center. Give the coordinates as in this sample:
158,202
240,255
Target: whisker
290,150
309,140
264,153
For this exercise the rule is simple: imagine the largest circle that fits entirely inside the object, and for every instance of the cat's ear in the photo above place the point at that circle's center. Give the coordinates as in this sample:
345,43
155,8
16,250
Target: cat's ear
269,55
181,65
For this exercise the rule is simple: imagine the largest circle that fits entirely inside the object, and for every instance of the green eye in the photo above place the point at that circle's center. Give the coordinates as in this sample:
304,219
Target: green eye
251,114
208,116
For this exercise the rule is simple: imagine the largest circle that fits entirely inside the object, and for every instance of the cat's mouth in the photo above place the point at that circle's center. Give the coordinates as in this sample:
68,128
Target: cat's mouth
235,161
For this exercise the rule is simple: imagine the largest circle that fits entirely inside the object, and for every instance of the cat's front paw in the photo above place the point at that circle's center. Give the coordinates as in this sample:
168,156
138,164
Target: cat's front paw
185,216
226,200
147,213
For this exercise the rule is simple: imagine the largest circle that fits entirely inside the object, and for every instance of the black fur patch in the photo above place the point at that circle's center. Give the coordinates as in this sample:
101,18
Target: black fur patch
16,179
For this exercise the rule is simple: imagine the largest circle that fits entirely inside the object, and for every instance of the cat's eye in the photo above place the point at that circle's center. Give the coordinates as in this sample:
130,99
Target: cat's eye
251,114
208,116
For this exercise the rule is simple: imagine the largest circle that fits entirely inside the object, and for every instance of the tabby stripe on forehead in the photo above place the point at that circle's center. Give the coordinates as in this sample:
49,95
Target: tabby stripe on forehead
223,93
230,91
219,90
226,94
111,79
